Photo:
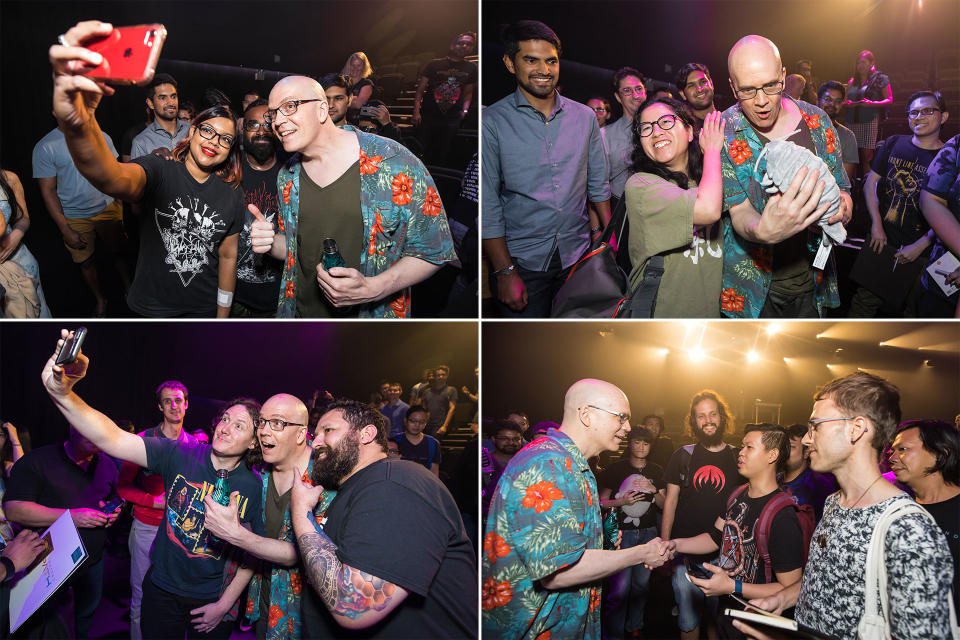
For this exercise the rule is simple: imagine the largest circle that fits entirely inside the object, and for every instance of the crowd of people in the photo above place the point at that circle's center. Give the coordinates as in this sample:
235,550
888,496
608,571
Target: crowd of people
217,192
296,550
701,213
784,520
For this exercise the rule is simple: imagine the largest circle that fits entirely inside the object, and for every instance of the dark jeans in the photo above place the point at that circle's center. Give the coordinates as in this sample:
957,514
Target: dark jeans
542,286
780,305
627,595
165,615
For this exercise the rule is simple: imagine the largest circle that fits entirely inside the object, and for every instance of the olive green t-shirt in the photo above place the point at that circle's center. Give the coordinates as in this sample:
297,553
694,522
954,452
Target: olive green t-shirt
274,510
334,212
661,222
792,273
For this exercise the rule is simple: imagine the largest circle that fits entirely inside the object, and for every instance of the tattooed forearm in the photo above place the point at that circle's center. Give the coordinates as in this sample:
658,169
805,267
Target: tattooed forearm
344,590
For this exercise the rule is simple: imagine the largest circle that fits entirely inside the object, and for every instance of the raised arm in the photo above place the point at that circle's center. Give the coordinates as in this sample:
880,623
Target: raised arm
93,425
75,99
709,204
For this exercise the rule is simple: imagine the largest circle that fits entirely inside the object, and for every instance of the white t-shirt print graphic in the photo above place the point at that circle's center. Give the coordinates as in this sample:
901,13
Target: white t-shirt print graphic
188,230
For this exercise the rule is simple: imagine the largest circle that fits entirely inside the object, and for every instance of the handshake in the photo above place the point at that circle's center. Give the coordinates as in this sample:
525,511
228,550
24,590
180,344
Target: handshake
657,552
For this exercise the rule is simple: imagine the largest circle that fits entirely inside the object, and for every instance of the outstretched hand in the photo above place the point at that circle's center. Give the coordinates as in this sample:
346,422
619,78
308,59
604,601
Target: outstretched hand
711,135
59,379
75,96
222,521
716,585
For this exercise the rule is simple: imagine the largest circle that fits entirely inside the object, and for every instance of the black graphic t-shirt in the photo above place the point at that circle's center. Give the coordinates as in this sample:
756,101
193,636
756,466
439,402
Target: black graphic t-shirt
738,547
704,489
902,167
620,477
183,223
446,79
186,559
258,274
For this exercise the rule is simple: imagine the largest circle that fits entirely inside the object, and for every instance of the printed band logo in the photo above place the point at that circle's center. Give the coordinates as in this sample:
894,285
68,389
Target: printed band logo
709,475
189,230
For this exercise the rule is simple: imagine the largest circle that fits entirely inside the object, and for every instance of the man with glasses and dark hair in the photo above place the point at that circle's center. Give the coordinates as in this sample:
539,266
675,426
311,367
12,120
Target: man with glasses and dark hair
892,195
415,445
507,438
167,129
799,480
543,159
600,106
543,556
273,598
773,265
629,91
144,490
336,178
336,87
830,97
699,478
695,86
389,557
853,419
258,275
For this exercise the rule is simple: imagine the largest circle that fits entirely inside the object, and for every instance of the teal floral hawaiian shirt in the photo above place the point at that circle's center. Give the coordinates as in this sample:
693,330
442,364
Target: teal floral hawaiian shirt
286,584
402,216
747,266
544,514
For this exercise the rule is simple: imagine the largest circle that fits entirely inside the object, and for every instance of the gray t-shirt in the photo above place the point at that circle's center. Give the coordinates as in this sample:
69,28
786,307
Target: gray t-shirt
79,198
661,222
848,144
919,573
437,403
618,145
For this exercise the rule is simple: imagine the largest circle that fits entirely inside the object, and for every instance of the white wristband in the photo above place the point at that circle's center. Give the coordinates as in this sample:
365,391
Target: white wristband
224,298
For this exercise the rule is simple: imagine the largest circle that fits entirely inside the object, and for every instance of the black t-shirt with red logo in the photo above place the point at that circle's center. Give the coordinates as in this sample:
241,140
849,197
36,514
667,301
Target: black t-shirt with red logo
705,482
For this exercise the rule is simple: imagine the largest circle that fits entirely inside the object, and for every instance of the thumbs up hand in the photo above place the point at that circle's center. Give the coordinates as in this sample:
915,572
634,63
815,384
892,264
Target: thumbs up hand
261,231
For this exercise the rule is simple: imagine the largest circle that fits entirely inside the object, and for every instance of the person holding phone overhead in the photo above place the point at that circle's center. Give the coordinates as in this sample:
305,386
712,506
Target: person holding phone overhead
188,251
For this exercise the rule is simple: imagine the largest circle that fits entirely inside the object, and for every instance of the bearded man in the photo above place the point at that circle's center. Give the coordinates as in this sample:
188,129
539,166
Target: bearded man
390,557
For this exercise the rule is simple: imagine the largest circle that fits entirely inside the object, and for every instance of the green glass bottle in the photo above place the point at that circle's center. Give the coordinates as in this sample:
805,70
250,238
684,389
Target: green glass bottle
610,529
331,255
221,492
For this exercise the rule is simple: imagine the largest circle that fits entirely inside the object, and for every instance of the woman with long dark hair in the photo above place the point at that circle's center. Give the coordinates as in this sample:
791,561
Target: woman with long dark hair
868,94
13,227
674,201
192,205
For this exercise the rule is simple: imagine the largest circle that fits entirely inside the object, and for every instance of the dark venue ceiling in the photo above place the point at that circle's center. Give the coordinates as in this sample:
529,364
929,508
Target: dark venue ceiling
528,366
220,361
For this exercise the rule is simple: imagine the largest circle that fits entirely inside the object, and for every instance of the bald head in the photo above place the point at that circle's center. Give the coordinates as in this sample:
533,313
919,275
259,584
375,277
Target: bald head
289,407
590,391
297,87
753,53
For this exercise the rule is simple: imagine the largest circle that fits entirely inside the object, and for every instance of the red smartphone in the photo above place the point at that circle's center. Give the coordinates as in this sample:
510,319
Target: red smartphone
130,54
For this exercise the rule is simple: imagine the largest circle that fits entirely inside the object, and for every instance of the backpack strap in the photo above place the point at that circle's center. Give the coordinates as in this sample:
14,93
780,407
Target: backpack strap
736,493
644,288
762,529
685,466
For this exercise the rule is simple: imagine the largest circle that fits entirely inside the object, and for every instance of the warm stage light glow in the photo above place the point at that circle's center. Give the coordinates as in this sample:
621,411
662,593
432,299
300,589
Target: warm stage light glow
696,354
820,335
753,356
773,328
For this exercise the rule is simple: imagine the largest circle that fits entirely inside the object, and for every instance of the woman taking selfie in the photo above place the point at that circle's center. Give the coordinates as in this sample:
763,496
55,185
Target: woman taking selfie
674,202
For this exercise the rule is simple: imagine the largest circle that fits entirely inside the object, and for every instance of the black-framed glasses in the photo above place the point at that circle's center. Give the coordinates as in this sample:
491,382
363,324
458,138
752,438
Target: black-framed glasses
277,424
624,417
253,125
287,108
665,122
599,109
813,423
207,132
926,111
771,89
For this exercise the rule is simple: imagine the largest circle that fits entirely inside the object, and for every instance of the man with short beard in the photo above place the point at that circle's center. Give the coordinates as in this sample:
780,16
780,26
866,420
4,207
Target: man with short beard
167,129
507,440
699,479
543,159
273,598
830,97
418,582
774,262
258,275
337,87
695,86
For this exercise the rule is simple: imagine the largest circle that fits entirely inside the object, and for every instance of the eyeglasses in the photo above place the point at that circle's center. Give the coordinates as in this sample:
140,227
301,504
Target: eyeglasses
288,108
624,417
665,123
771,89
209,133
600,109
253,125
815,422
631,91
276,424
926,111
